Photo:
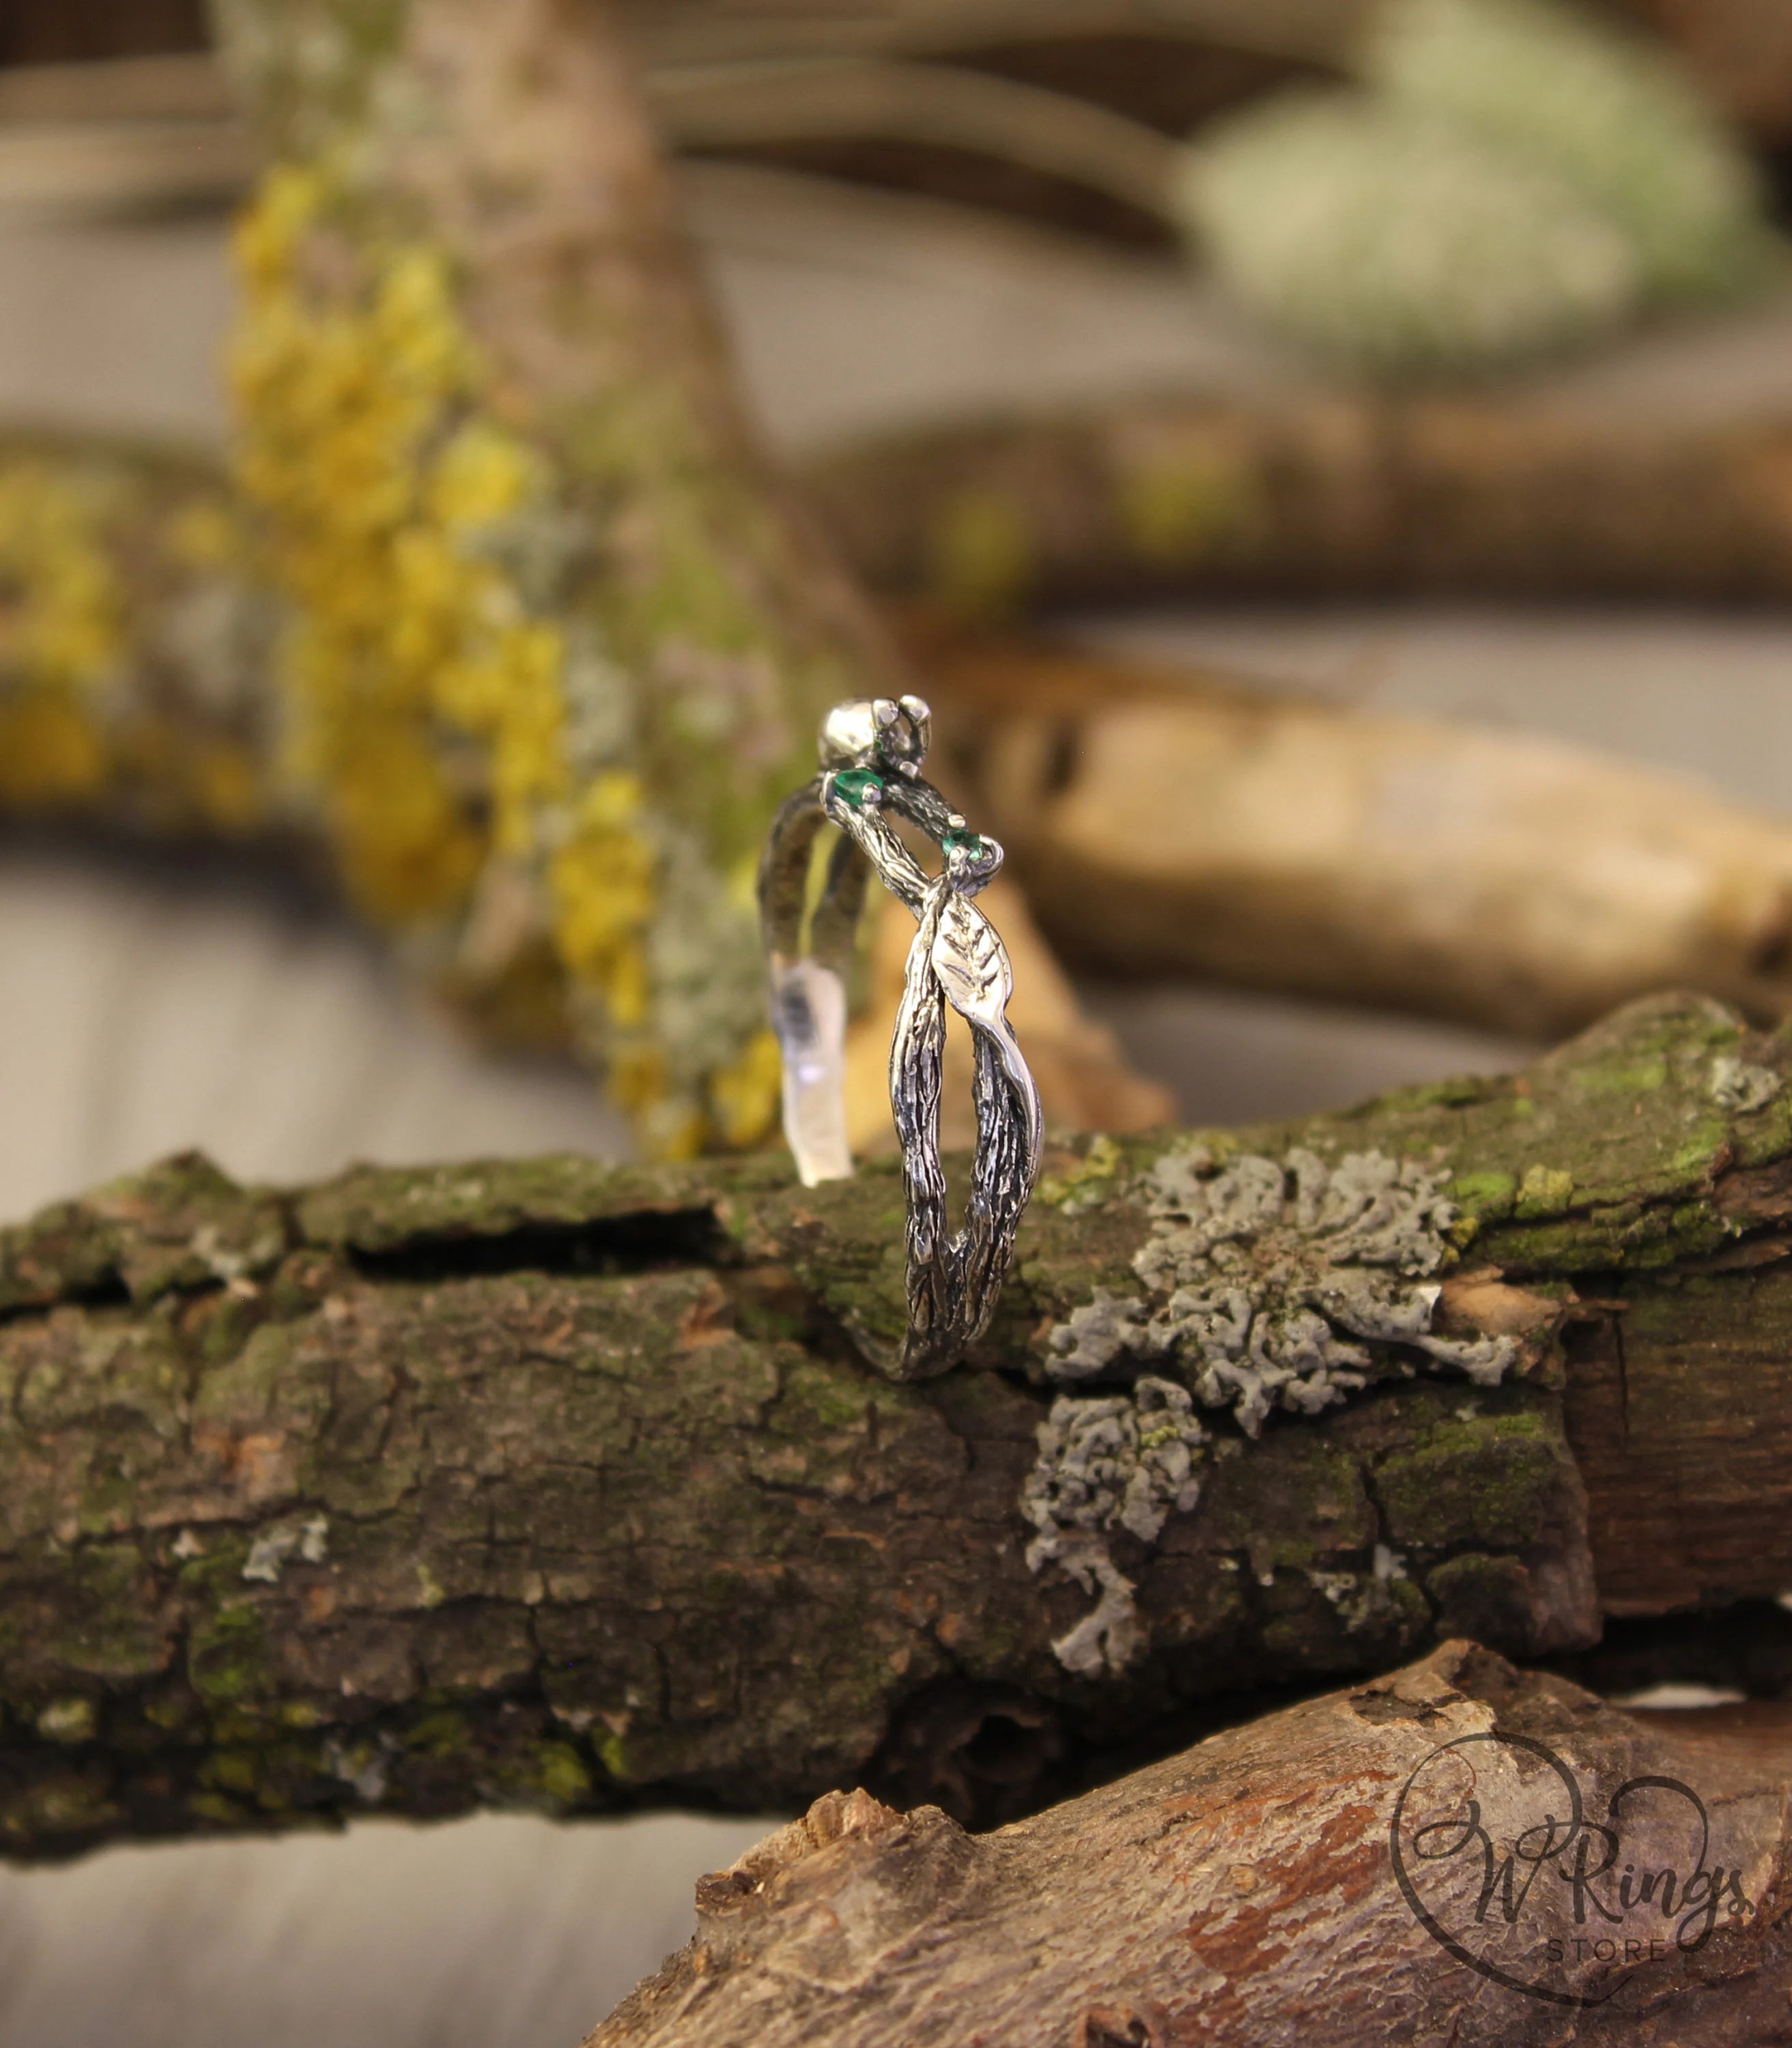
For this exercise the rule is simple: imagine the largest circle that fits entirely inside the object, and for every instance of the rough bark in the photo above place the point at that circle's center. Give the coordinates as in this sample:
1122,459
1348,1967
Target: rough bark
549,1483
1165,823
1256,1889
1333,496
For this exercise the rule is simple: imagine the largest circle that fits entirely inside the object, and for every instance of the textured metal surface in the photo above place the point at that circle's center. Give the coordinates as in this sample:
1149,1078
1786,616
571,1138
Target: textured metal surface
871,755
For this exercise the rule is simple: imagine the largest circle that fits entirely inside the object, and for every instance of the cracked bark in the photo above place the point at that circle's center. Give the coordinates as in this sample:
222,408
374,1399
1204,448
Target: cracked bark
1249,1892
552,1483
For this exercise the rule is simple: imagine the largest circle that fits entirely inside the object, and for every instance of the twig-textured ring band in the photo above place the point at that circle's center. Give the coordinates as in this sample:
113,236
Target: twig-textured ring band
872,753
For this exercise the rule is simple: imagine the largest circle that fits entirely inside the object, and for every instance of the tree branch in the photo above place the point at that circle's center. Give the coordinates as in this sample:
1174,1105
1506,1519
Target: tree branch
1248,1891
549,1483
1342,495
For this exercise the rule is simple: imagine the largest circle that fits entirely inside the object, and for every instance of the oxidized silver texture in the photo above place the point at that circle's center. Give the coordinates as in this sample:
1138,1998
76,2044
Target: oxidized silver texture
872,753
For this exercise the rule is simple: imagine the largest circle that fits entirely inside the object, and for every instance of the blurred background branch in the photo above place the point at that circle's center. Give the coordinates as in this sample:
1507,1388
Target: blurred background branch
1283,845
115,82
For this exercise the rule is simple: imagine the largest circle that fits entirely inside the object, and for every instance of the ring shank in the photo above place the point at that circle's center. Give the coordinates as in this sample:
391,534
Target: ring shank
953,1278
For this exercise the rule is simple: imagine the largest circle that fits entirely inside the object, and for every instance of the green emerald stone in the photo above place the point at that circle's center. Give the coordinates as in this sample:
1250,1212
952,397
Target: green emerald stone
966,842
857,787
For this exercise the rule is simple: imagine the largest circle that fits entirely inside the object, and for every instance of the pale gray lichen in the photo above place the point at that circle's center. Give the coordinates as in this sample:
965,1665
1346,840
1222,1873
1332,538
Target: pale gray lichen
308,1540
1741,1086
365,1765
1273,1277
1363,1599
1398,244
1109,1463
1083,1186
1288,1283
1605,110
1093,1335
231,1262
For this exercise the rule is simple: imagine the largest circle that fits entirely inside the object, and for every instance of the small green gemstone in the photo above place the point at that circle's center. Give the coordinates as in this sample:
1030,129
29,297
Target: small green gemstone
858,785
966,842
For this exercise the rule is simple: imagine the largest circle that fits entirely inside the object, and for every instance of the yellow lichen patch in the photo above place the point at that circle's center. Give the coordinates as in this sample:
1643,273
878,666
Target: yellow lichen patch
481,476
744,1096
461,692
201,535
602,878
50,750
1082,1182
1195,501
406,850
61,603
1544,1191
640,1082
982,554
61,632
379,484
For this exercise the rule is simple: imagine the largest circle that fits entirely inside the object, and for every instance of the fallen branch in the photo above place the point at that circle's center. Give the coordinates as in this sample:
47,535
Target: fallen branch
181,735
1332,496
1164,823
542,1482
553,643
1315,1874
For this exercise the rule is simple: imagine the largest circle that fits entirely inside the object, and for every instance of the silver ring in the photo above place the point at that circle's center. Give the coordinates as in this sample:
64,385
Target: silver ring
871,752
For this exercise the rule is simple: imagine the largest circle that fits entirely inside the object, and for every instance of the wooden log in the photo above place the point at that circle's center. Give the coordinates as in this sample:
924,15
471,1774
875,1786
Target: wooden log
1457,1852
1738,52
547,1483
1164,823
